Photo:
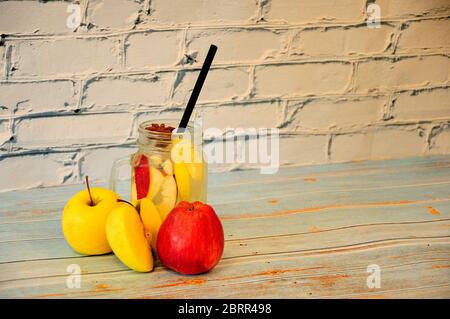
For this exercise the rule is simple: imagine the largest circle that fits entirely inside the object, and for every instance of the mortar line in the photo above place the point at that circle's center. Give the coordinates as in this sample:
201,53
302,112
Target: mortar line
104,109
217,66
226,26
284,133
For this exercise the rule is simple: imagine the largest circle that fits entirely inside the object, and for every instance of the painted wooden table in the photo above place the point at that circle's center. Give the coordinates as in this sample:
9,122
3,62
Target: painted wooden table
305,232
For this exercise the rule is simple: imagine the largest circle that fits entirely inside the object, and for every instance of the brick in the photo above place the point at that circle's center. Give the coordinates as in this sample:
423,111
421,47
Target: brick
73,130
5,132
328,114
427,104
36,170
308,78
235,44
315,11
113,14
33,17
2,61
67,56
402,8
97,163
159,48
251,115
193,11
426,34
293,150
26,97
220,85
404,73
440,143
384,143
303,149
127,90
341,41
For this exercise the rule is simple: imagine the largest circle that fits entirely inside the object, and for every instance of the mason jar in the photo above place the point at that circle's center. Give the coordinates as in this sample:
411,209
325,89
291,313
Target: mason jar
168,167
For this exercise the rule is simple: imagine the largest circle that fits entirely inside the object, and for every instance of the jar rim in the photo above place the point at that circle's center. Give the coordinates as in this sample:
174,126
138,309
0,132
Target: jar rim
171,122
164,138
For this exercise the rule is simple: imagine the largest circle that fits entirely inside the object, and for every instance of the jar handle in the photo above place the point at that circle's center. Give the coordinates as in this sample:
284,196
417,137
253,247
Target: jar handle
117,164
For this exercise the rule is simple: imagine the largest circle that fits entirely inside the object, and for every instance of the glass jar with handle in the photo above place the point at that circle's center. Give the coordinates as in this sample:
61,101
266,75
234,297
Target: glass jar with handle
168,167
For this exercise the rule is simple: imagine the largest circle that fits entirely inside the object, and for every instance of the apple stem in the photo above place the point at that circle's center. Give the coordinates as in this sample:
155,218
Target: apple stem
124,201
89,190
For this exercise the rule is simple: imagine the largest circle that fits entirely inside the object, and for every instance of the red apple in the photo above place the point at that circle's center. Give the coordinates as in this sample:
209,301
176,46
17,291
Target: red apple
190,240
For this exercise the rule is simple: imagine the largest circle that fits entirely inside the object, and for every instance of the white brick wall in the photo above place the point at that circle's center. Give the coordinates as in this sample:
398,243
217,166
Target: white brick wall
113,14
410,9
382,143
144,49
127,89
67,130
403,73
65,56
338,41
28,17
38,170
71,100
302,79
223,84
21,98
202,11
326,114
314,11
441,141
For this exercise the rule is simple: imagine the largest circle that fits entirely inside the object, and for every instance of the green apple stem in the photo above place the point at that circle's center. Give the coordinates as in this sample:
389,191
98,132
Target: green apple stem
89,190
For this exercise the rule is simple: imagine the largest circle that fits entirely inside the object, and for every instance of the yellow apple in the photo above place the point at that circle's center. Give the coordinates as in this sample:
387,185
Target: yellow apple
83,221
151,218
127,238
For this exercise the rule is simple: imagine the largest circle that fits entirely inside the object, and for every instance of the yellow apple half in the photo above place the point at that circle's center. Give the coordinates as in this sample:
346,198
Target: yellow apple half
151,218
83,225
165,200
126,236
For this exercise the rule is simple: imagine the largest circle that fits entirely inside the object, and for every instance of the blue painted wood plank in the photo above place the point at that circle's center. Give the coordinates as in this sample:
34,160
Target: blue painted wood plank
298,275
316,225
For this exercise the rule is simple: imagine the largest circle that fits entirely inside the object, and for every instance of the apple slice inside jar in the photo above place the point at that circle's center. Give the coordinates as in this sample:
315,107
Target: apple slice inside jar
196,167
167,167
183,180
147,179
142,177
180,167
166,198
156,182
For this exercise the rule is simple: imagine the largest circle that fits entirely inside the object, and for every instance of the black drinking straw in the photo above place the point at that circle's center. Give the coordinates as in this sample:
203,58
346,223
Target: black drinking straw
198,87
